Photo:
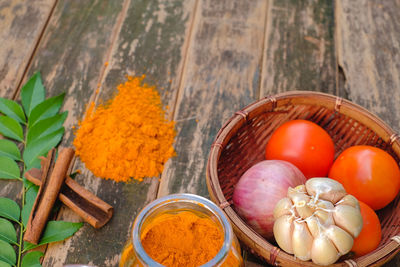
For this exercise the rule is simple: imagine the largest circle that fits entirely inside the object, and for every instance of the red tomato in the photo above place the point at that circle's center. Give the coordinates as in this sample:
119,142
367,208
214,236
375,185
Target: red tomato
304,144
368,173
371,233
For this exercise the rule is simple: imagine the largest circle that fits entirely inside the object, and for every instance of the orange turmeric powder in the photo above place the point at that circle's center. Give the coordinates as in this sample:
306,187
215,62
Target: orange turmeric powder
182,239
127,138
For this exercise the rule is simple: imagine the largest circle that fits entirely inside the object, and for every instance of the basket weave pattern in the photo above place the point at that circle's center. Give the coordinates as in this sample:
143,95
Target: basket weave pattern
241,143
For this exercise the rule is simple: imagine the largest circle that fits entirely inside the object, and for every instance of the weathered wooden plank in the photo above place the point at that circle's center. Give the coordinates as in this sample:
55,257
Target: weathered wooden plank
299,50
71,59
217,83
72,53
220,76
368,41
369,55
148,40
21,23
299,47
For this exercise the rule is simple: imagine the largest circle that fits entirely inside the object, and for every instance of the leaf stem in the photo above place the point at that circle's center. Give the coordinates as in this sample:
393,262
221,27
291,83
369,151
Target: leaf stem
21,232
22,227
15,243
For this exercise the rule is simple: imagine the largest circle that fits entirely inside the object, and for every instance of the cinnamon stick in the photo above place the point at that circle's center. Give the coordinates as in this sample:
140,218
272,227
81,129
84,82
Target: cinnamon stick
92,209
53,177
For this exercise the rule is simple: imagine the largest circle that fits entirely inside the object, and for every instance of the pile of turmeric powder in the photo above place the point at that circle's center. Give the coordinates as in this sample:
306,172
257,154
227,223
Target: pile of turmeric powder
182,239
127,138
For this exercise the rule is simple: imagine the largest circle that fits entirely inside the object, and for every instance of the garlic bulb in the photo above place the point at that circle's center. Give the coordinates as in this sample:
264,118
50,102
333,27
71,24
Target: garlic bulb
317,221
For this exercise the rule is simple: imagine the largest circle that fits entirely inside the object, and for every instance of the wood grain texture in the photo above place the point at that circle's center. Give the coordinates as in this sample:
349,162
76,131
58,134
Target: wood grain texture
220,76
368,43
299,47
21,23
148,40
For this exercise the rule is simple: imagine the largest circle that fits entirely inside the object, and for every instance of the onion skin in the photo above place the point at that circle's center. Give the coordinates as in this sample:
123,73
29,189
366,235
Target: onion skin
259,190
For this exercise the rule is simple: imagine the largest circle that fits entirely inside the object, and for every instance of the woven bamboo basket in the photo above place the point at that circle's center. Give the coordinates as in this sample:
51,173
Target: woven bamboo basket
241,143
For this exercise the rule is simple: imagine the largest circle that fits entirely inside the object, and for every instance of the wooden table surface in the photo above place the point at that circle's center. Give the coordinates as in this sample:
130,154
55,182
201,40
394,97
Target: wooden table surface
208,59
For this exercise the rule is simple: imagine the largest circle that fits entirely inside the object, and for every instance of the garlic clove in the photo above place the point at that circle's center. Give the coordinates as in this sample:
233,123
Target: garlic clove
325,218
283,207
350,201
283,229
314,226
318,220
323,251
348,218
324,204
301,241
325,188
342,240
324,212
300,201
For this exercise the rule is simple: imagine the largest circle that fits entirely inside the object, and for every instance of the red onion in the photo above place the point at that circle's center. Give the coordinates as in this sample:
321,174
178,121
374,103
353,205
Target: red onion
260,188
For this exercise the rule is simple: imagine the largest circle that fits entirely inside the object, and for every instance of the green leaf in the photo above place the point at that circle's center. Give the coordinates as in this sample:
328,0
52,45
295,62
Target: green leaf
46,127
4,264
12,109
11,128
30,197
8,168
7,232
55,231
9,149
7,253
9,209
31,193
32,259
40,147
32,93
46,109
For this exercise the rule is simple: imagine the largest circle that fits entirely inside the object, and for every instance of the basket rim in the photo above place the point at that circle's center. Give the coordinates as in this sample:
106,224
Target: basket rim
380,255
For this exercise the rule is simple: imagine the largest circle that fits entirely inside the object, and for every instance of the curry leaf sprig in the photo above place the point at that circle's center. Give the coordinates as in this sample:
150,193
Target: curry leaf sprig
30,131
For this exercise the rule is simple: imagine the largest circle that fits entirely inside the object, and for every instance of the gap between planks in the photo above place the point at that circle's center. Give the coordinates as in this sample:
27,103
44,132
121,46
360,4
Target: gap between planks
182,71
114,37
267,25
28,65
103,71
34,50
181,75
337,43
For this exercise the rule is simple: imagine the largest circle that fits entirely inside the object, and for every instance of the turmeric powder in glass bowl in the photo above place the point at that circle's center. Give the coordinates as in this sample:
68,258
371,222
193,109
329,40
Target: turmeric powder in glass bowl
182,230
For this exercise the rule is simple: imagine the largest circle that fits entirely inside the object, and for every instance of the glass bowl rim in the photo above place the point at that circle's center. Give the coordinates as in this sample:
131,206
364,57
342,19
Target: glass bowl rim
188,198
